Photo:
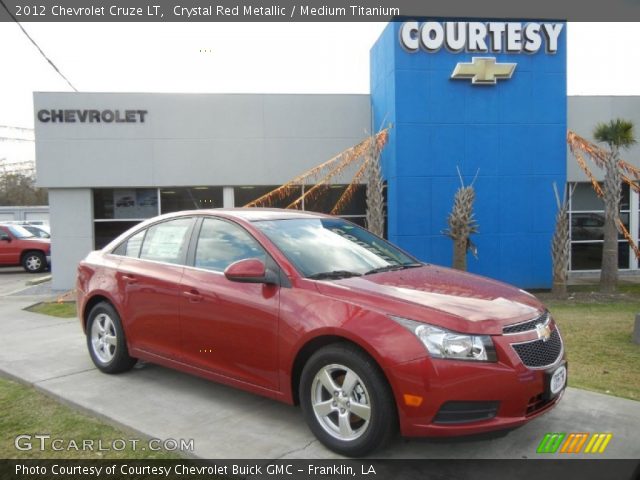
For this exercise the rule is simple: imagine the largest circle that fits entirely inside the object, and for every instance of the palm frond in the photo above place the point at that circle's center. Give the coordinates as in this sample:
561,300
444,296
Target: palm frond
616,133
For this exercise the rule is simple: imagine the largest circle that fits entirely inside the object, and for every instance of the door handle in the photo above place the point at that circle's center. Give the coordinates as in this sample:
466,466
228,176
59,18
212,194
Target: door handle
193,295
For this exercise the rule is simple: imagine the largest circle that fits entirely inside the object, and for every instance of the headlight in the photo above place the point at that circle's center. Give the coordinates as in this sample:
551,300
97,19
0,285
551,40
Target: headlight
441,343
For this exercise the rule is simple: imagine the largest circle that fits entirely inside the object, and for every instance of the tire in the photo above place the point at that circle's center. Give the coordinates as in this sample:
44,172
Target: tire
106,340
333,417
34,262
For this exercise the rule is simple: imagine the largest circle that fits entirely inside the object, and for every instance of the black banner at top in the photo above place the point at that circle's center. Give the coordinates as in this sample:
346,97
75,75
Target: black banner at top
310,10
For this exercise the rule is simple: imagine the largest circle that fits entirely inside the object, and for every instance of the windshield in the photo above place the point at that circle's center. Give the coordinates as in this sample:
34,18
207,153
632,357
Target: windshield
19,232
320,246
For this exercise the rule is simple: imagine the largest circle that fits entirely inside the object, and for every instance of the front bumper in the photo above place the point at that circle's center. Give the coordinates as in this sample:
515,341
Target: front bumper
466,398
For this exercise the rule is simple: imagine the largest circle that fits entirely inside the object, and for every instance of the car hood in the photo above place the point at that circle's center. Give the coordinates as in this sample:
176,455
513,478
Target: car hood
449,298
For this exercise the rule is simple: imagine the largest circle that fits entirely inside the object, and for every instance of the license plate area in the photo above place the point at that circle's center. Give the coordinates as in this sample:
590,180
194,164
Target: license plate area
555,381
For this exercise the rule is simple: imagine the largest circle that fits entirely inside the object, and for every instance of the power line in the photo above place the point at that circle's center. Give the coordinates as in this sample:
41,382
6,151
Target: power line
17,128
37,46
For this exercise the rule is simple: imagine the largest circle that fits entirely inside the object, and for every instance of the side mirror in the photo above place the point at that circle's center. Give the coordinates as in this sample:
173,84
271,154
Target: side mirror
5,237
250,270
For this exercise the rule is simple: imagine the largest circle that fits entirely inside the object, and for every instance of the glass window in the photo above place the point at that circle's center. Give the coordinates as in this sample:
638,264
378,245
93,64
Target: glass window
585,198
318,246
132,247
19,231
125,203
587,228
176,199
322,201
221,243
107,231
588,256
248,193
166,242
625,199
590,226
328,197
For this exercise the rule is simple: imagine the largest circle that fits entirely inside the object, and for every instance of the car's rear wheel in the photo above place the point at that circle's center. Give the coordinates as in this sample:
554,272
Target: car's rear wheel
346,400
34,262
106,340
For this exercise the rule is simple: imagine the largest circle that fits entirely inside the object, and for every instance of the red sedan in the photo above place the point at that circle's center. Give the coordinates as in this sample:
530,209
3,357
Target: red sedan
312,309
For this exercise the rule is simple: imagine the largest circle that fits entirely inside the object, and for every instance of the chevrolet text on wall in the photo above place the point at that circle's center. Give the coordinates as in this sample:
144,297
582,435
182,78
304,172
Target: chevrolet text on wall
481,37
91,116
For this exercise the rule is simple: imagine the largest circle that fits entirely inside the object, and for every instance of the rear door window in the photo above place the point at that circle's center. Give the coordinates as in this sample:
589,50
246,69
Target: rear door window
165,242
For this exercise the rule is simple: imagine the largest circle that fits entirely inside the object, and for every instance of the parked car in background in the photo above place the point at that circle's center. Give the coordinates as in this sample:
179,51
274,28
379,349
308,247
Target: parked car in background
18,246
312,309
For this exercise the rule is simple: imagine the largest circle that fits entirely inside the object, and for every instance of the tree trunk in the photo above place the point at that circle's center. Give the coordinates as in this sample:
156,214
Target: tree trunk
375,193
560,244
460,254
612,193
559,287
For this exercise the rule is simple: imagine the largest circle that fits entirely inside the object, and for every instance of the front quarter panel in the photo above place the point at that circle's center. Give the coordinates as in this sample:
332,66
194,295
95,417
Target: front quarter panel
306,315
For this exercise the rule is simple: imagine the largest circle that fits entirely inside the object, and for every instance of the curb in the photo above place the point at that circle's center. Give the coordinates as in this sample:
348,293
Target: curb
38,281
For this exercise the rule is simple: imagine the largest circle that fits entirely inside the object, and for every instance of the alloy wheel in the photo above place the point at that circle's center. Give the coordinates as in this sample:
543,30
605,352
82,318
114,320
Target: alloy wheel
104,338
341,402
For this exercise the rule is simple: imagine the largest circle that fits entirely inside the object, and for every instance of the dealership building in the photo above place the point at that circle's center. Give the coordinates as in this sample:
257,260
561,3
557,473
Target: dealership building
483,98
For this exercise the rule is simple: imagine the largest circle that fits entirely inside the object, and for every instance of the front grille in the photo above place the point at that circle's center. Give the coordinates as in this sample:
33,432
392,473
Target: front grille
464,412
526,326
538,354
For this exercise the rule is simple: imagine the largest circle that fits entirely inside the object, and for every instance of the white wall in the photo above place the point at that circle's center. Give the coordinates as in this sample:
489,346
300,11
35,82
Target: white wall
71,233
190,139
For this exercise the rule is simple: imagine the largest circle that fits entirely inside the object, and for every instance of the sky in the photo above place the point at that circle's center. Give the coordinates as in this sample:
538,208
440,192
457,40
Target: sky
246,58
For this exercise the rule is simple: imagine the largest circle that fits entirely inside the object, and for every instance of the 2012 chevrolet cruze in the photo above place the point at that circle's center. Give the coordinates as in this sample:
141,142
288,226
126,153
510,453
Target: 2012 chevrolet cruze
311,309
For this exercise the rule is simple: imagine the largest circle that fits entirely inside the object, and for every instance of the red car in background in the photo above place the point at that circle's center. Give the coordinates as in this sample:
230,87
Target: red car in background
312,309
18,246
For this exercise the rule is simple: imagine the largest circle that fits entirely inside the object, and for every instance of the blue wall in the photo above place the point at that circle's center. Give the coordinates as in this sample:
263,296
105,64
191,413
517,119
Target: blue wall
513,132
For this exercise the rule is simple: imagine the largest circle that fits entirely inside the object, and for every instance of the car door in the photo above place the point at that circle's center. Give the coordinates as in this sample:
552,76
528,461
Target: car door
148,279
229,328
9,248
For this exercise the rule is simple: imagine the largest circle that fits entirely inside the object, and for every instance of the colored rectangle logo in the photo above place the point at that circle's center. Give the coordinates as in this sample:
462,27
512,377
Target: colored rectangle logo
574,442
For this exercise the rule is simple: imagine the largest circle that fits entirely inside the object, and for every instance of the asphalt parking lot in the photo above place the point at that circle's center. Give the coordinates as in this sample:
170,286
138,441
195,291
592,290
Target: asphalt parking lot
15,279
50,353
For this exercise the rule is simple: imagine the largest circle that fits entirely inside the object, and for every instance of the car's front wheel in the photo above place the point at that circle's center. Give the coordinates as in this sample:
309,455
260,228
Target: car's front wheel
106,341
346,400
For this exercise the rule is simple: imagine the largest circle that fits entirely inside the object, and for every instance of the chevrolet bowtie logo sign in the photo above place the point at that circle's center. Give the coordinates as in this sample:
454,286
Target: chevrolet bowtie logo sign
483,70
543,331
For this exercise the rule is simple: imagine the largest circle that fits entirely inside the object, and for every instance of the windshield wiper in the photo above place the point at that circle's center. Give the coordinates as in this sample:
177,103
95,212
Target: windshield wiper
335,274
390,268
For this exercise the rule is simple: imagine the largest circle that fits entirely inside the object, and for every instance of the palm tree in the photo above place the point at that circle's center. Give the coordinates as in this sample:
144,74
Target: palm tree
462,224
375,193
617,134
560,243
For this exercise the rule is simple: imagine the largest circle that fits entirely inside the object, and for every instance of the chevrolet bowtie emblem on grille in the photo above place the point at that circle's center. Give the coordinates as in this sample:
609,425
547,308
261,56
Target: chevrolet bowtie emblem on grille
483,70
543,331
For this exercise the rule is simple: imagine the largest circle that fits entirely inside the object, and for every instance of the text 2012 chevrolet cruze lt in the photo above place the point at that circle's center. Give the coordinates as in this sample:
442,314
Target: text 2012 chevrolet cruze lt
308,308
